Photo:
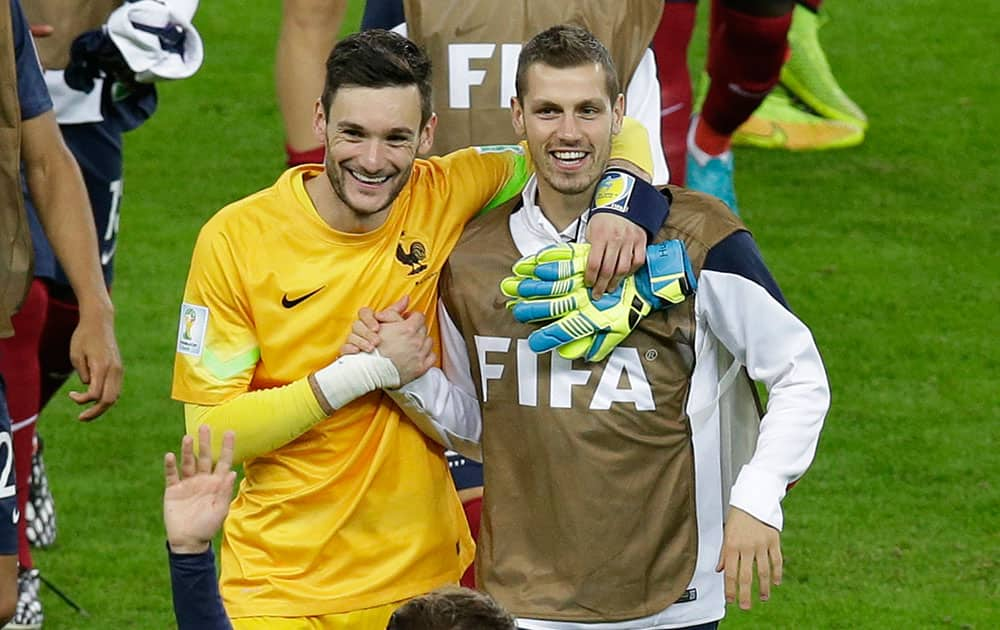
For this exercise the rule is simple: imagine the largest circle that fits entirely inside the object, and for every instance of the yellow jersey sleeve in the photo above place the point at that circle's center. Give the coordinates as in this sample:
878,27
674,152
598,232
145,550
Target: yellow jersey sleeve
492,175
632,144
217,349
264,420
486,176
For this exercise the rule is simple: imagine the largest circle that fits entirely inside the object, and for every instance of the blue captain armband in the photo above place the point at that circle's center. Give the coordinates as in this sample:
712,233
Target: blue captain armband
638,201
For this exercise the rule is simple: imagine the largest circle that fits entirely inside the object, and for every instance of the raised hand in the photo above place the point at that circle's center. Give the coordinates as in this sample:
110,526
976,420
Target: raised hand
196,500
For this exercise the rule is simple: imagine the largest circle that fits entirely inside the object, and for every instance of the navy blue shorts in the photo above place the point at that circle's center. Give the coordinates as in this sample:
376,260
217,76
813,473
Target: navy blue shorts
8,493
465,472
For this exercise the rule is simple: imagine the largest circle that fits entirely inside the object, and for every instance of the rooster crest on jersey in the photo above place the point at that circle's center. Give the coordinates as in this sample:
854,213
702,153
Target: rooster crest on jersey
414,257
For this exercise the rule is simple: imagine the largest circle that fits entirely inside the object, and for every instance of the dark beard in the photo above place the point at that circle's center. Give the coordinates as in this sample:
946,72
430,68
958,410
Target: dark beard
336,177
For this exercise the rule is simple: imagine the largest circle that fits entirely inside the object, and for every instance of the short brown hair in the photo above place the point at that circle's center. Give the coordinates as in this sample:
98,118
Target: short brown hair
377,58
566,46
452,608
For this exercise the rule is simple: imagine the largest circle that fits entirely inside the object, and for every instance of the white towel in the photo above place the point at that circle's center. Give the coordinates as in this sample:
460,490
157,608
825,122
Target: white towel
142,50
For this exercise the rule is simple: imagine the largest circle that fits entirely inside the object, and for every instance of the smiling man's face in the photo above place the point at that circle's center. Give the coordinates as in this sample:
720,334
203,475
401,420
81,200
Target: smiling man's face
568,119
373,136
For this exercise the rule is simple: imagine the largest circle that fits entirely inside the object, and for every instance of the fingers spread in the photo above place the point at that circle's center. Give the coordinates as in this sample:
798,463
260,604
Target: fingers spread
170,470
188,466
225,462
204,449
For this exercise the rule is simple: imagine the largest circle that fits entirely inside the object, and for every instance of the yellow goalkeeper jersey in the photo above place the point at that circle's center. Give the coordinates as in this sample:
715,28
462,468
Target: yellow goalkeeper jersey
360,510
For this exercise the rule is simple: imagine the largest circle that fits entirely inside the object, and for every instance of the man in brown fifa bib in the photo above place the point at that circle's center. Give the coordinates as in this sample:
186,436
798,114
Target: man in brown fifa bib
606,483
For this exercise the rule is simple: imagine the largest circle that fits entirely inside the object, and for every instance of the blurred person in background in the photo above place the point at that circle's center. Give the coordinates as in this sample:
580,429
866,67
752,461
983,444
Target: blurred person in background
758,66
309,30
100,59
33,148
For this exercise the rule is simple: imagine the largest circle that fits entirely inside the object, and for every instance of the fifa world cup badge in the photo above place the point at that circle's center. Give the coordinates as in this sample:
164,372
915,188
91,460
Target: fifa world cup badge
614,191
191,329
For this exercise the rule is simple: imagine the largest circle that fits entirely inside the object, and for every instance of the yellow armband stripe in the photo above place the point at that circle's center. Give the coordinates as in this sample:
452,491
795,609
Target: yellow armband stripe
632,144
263,420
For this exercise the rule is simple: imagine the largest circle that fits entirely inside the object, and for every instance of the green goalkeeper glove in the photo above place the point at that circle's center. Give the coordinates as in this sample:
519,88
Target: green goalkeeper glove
549,286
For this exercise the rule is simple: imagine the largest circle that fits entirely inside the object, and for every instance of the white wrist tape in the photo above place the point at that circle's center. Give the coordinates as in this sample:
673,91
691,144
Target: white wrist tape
355,375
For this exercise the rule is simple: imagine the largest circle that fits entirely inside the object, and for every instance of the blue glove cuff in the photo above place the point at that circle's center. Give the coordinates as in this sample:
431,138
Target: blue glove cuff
638,201
666,262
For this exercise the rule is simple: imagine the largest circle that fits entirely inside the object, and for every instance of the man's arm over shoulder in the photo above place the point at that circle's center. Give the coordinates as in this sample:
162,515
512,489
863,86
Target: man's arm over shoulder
743,307
479,178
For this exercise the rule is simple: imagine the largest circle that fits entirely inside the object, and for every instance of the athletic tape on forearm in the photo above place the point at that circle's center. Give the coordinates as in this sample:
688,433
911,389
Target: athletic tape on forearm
355,375
622,193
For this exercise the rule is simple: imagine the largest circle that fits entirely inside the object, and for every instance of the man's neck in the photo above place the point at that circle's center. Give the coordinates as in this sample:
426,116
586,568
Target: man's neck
335,212
562,209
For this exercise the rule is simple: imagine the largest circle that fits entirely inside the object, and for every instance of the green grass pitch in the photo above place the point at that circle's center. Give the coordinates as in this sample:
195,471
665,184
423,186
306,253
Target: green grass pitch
888,251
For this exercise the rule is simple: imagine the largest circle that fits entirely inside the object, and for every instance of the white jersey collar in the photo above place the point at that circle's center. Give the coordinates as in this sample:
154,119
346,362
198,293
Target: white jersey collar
532,230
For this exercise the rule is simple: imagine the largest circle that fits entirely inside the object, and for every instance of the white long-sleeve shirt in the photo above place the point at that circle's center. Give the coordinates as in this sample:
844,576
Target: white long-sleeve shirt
739,313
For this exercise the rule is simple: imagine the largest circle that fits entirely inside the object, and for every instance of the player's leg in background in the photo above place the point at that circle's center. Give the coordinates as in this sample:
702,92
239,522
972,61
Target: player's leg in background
309,30
97,148
807,73
670,45
61,319
20,369
807,111
468,477
747,46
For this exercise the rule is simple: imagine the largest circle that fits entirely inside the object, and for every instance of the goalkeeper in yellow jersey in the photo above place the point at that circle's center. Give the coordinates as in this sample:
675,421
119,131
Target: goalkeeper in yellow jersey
608,464
346,509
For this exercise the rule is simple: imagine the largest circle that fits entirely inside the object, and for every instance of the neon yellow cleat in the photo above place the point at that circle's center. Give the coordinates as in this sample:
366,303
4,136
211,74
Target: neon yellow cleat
779,124
807,72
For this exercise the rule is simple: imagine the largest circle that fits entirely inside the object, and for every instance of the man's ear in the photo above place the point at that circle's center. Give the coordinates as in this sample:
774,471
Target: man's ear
319,122
517,116
427,136
618,114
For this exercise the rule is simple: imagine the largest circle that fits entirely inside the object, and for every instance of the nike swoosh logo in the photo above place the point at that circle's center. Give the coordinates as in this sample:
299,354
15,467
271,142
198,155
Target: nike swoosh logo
778,134
106,256
775,136
287,303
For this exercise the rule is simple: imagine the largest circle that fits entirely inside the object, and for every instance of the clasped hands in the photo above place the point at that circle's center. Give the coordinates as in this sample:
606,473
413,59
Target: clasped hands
549,286
618,250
